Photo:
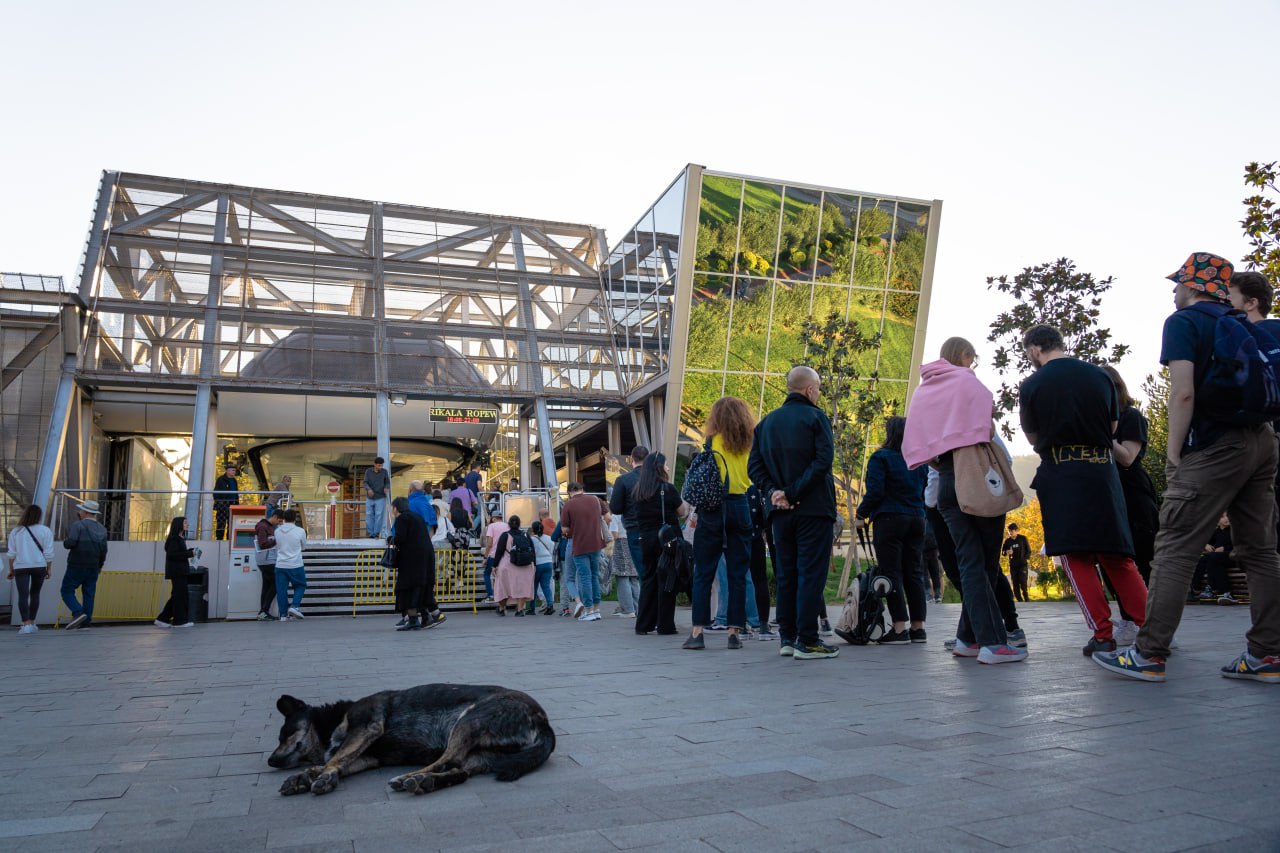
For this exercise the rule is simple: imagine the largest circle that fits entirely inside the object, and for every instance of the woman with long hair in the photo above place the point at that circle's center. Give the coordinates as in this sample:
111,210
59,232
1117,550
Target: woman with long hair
894,500
30,554
415,568
725,531
657,503
177,567
952,409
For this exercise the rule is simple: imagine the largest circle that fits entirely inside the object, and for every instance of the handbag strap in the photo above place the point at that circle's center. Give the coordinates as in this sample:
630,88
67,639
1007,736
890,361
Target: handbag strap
39,547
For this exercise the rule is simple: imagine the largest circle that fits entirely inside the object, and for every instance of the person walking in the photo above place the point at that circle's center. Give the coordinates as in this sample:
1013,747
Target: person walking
951,409
893,498
544,562
280,496
264,546
622,505
657,505
791,461
724,532
30,553
581,521
420,504
226,492
377,485
415,568
1069,411
1220,458
177,570
513,578
1018,550
86,543
444,525
290,571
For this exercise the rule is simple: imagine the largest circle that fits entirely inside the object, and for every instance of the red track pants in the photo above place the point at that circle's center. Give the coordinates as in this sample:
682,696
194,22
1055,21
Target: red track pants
1123,571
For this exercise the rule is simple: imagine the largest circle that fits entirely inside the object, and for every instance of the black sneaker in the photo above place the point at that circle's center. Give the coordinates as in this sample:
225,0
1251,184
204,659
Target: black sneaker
404,620
848,636
1096,645
1206,594
77,622
918,635
735,642
502,611
821,650
519,612
410,624
824,628
549,611
431,620
894,638
1227,598
695,643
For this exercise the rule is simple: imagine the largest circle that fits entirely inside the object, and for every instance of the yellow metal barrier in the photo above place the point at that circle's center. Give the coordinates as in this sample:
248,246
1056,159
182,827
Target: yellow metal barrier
455,579
124,597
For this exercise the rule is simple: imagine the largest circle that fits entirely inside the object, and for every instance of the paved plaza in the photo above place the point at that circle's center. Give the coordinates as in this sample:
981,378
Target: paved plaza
133,738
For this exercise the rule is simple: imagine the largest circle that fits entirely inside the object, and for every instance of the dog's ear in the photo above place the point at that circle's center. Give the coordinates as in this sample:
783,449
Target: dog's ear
287,705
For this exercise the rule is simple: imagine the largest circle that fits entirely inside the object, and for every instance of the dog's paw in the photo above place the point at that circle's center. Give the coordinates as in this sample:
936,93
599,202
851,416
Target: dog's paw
299,783
415,783
397,783
324,783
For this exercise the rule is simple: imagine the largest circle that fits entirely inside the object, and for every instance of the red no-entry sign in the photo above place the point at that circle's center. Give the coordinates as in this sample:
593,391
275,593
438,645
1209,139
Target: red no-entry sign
332,487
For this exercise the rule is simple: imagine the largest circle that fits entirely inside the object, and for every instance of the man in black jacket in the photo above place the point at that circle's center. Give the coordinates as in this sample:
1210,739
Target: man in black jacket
226,491
622,504
791,461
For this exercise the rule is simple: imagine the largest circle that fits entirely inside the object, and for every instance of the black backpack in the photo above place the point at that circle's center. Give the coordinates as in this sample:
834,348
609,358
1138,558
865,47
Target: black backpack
703,486
520,548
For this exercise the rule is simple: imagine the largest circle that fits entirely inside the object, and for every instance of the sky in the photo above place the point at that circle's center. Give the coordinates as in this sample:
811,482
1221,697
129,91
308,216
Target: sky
1115,134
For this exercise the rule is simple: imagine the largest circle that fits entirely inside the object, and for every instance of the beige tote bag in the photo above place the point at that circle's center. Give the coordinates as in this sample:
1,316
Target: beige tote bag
985,485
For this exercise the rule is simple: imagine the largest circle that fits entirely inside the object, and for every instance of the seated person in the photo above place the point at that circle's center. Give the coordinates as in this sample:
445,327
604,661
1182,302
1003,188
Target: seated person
1211,571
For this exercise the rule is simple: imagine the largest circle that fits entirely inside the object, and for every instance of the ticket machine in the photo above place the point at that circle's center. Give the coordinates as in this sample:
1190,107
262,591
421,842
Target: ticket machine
244,579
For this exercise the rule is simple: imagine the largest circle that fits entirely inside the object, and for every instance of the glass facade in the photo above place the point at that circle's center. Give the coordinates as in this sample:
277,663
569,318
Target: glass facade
770,256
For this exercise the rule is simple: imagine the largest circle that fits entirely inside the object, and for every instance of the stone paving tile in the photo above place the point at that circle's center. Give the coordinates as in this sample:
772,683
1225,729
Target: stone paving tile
164,736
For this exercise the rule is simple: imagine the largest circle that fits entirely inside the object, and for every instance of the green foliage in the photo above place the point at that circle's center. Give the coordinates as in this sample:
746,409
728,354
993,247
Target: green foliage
1157,411
1057,295
833,347
1261,223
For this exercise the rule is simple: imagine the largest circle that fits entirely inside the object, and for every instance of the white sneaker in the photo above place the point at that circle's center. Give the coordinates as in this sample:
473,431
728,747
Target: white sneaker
965,650
284,618
593,616
186,625
35,629
160,624
577,609
295,613
1124,632
25,629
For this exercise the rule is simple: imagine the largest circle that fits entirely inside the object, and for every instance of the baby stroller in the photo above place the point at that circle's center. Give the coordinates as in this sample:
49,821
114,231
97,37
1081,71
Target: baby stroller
863,619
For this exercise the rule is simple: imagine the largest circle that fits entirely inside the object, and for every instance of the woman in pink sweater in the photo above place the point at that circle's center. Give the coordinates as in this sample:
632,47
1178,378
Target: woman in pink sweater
951,409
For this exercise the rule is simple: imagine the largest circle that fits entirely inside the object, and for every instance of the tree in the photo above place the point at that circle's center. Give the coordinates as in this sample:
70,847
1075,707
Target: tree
1261,223
1054,294
1157,411
854,404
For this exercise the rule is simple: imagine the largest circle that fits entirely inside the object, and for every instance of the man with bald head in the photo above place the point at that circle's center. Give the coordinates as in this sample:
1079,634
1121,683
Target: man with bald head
791,461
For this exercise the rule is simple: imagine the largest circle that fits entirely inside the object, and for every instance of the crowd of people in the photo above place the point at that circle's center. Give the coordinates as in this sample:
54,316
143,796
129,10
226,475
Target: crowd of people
773,495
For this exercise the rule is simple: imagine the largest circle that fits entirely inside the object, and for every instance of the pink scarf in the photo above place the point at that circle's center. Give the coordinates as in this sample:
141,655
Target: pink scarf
951,408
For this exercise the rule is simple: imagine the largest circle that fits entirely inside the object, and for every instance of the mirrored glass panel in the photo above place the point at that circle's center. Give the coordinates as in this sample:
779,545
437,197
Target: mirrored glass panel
797,248
758,243
718,213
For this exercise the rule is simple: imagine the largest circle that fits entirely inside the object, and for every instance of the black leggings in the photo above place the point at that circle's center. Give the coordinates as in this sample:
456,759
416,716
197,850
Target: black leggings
268,588
760,579
899,541
175,609
29,583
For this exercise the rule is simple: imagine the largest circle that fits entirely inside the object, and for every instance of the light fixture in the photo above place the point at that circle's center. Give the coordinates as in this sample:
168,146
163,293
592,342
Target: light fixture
399,399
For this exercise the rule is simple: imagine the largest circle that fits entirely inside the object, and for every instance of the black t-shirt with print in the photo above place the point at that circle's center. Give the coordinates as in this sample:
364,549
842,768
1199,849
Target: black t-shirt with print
1068,402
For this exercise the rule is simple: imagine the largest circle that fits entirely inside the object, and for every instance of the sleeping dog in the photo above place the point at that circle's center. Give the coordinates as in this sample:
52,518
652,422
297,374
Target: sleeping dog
453,731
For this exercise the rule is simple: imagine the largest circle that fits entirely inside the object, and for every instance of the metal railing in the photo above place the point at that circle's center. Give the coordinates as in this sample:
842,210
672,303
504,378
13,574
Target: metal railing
124,597
456,582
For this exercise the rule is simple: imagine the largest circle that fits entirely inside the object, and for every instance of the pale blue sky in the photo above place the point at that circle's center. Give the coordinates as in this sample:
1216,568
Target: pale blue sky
1112,133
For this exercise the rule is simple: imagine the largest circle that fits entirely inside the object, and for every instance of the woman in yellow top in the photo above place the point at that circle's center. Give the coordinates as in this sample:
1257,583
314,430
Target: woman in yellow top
725,532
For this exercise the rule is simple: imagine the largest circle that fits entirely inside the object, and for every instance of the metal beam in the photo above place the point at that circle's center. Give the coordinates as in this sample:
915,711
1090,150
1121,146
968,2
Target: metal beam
51,458
559,252
297,226
91,272
45,336
166,212
446,244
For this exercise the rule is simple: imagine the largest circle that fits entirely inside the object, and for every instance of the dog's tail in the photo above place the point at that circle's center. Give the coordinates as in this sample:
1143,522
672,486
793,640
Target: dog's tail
510,766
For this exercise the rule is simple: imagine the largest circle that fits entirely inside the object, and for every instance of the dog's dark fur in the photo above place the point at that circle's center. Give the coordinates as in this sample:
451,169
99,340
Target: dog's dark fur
453,731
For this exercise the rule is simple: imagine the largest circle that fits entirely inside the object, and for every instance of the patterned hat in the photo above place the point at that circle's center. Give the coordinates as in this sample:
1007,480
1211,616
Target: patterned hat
1205,272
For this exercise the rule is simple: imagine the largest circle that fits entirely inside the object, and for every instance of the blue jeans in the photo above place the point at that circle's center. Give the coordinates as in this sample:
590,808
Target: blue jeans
588,568
977,542
722,597
488,577
284,577
542,581
375,516
725,533
86,579
637,553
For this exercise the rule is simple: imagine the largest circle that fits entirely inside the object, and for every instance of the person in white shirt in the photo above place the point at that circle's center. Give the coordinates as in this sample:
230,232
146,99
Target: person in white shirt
544,566
290,540
30,553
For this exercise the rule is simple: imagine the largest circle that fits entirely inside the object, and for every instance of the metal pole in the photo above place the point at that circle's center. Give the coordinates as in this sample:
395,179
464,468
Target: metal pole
531,363
199,451
522,424
547,447
211,472
200,420
52,456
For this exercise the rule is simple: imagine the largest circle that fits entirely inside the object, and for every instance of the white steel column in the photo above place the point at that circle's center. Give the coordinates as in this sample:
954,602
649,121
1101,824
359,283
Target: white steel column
531,362
522,426
382,417
201,440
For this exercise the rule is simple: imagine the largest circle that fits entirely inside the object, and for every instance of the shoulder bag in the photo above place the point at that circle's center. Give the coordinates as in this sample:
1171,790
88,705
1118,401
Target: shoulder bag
985,485
263,556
